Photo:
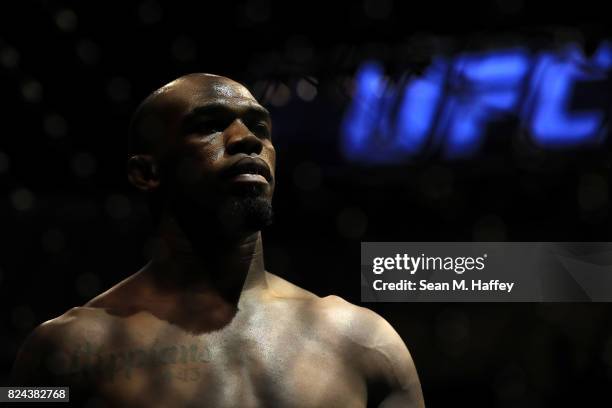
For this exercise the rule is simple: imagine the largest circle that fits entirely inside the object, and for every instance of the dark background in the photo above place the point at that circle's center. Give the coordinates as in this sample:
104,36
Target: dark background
72,74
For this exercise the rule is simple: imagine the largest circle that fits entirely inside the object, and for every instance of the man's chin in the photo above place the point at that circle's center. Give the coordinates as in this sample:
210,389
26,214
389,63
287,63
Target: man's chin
247,212
252,190
228,213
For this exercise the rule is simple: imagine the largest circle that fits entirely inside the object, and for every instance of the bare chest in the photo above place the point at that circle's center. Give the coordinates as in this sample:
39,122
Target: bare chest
247,365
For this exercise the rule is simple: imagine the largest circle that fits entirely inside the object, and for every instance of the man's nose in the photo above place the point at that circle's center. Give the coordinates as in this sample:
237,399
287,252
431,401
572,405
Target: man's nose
240,139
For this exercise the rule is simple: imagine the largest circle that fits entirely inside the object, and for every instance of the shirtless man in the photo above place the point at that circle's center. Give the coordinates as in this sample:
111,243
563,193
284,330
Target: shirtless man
203,324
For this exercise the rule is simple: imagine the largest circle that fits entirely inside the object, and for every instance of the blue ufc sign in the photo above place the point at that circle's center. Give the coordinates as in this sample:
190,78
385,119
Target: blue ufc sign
560,100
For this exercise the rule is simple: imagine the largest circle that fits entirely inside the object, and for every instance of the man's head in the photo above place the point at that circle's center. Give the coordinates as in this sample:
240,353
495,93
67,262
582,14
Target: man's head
201,145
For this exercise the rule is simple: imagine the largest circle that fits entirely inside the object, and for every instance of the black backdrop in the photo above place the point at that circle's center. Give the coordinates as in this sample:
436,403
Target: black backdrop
72,73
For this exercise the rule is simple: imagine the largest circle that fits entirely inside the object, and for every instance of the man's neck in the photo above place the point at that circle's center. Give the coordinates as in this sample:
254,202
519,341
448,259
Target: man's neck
204,264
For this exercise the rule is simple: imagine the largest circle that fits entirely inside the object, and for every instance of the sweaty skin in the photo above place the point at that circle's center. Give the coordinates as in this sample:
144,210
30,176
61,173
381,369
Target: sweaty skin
203,324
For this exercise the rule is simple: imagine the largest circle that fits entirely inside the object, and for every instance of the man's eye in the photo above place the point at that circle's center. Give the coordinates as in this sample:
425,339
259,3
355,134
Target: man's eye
261,129
209,126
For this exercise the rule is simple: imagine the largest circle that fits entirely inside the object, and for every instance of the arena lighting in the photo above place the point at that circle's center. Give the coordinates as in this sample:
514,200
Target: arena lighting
561,100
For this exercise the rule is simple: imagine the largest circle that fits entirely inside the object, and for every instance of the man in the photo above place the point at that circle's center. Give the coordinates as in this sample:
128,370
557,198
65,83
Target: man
203,324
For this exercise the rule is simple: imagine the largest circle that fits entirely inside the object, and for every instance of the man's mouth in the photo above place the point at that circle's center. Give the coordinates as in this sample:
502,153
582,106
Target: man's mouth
249,170
249,178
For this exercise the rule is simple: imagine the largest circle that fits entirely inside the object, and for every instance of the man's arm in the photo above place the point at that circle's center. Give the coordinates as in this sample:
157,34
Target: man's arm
379,354
30,368
388,364
43,357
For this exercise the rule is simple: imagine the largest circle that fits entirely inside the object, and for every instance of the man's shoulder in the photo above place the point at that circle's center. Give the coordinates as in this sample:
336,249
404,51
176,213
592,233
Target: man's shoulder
373,347
75,323
359,325
46,348
334,312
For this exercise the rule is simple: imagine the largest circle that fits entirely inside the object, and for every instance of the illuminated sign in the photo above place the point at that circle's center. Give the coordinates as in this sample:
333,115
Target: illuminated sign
560,99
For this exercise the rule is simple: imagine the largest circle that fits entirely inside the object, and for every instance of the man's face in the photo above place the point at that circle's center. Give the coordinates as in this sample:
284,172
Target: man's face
220,157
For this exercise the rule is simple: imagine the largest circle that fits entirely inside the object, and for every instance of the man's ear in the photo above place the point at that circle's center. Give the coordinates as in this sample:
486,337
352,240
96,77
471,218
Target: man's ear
142,172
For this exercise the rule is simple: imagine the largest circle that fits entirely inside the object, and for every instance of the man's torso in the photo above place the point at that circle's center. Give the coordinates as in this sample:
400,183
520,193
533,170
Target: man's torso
281,352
